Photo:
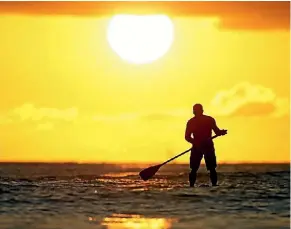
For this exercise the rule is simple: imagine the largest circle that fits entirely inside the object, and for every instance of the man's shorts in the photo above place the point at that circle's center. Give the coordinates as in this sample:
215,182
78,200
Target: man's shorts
209,156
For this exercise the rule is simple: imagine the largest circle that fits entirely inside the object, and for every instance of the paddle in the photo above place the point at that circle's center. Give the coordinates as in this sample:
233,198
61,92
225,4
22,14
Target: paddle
151,171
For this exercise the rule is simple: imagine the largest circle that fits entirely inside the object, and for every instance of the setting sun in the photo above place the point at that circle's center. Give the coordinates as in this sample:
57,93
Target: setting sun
140,39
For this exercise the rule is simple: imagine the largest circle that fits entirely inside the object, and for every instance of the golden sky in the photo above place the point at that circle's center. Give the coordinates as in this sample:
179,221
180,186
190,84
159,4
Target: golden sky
67,96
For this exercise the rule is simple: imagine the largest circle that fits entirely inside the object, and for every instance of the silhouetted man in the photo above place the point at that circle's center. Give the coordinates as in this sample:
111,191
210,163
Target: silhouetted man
201,126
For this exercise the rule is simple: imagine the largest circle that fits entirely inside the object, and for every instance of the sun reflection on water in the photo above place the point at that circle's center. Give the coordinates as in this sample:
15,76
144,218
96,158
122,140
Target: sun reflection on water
121,221
120,174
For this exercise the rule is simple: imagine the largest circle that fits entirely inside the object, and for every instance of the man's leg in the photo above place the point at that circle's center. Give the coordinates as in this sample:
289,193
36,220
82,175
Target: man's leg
192,177
195,160
213,177
210,161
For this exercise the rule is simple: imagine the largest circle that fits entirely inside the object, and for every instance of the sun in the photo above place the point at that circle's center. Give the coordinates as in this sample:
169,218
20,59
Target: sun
140,39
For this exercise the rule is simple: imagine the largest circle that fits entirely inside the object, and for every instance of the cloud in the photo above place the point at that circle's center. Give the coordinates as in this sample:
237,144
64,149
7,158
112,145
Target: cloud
43,118
45,126
245,99
5,120
113,118
30,112
166,115
233,15
159,117
282,107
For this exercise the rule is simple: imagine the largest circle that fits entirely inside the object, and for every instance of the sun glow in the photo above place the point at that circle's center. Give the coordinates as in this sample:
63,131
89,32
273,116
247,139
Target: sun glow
140,39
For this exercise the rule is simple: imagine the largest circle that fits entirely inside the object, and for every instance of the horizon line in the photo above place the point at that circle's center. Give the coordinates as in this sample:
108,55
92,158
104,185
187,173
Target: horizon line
139,163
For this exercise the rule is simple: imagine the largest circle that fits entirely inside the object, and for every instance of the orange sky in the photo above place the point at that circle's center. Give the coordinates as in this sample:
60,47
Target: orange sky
66,95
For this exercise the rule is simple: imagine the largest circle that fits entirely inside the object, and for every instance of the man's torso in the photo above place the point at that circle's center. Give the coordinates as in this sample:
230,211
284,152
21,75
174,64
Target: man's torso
201,128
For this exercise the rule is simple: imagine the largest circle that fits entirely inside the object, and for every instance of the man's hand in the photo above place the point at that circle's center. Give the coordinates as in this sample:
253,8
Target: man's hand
223,132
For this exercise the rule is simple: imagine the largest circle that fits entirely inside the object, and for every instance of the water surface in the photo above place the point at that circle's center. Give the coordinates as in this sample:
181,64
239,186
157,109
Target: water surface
113,197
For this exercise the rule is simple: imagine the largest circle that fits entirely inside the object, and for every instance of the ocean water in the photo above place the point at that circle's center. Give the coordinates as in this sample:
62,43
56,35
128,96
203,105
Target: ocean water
81,196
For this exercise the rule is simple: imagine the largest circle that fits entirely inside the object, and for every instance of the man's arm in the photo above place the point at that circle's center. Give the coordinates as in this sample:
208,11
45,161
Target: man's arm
188,133
216,130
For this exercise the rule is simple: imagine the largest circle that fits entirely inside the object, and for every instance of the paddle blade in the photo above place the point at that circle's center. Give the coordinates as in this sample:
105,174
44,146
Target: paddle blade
149,172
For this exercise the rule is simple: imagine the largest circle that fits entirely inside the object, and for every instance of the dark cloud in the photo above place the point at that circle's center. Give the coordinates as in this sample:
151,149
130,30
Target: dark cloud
233,15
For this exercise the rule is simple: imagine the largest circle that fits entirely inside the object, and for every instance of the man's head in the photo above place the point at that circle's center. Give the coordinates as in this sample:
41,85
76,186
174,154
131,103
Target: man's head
197,109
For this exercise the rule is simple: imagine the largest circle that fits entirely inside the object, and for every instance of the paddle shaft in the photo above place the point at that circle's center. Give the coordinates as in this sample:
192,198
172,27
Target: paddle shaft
173,158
